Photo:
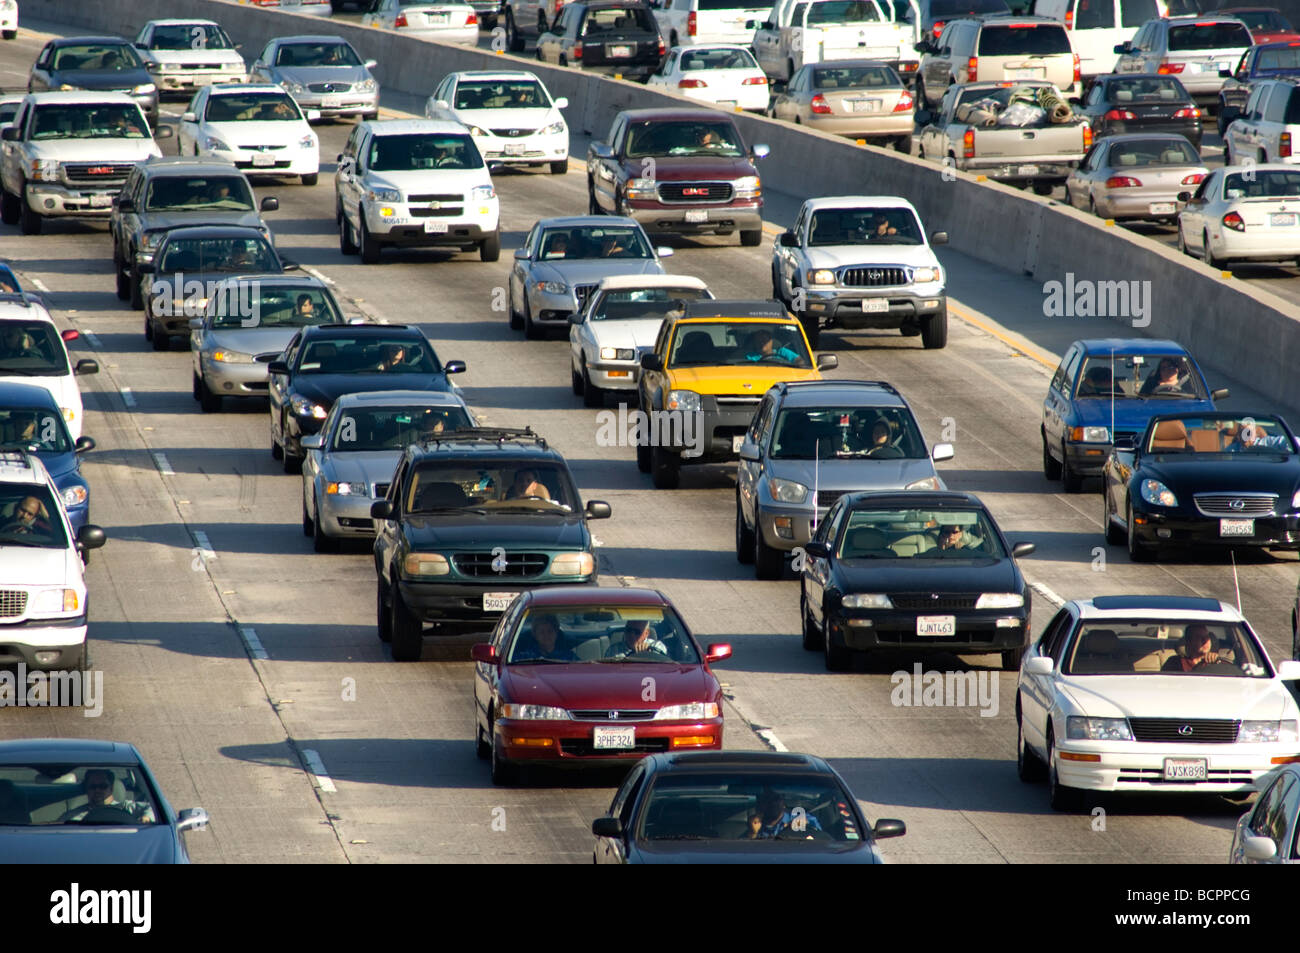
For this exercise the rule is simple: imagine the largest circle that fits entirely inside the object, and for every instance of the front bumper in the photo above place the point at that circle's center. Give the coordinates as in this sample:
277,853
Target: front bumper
52,199
290,160
1165,529
707,436
407,226
977,630
193,79
523,149
347,516
234,380
1138,766
1087,459
20,642
841,307
340,104
614,375
463,600
571,743
654,217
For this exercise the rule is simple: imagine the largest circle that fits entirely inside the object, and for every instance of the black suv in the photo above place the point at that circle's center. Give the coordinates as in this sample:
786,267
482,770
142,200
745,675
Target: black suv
616,36
472,519
324,362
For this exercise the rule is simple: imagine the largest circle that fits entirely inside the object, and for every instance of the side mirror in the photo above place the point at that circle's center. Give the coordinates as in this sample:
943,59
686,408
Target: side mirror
888,827
651,362
90,537
313,115
1231,113
663,251
1288,671
86,366
290,265
84,444
189,117
196,324
521,254
939,238
749,452
827,362
1259,848
270,204
124,204
762,151
381,510
1075,101
601,151
598,510
164,132
192,819
789,240
484,652
11,134
925,46
941,451
1019,549
454,367
817,549
1220,394
1124,47
1225,73
1184,196
607,827
561,103
576,317
1125,442
314,442
1039,665
924,117
277,367
70,335
717,652
371,64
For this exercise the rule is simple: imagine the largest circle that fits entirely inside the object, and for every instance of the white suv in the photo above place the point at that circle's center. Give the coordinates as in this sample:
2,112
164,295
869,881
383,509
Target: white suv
33,351
695,22
1267,127
42,587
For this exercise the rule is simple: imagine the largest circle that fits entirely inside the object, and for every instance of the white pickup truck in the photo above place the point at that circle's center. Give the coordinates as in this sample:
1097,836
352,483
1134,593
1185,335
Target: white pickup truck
819,31
68,154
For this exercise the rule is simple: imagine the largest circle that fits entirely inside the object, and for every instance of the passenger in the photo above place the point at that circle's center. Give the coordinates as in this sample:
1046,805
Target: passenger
18,343
638,638
1251,437
544,643
558,246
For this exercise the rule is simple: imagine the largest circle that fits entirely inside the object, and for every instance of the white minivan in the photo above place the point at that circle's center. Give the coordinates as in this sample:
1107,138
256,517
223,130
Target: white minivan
1096,27
33,351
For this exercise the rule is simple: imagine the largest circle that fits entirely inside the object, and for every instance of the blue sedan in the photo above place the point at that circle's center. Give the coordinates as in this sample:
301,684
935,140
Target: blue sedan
31,420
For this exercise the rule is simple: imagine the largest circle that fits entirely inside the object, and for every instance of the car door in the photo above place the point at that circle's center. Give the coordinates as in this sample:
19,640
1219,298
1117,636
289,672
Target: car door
1191,220
188,130
748,472
313,461
388,531
278,386
934,137
817,571
1078,186
520,270
39,80
260,71
1268,138
610,850
1038,692
608,171
487,676
1272,816
347,184
767,36
667,77
1130,62
1242,134
1056,403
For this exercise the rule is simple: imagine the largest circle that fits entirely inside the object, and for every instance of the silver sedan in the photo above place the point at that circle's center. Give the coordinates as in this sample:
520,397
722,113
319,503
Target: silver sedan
320,72
1136,177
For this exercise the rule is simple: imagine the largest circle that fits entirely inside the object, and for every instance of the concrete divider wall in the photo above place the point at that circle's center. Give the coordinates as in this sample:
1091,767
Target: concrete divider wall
1228,324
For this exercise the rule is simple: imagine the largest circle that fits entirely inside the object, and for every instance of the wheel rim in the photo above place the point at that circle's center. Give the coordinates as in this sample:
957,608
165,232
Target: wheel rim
1205,249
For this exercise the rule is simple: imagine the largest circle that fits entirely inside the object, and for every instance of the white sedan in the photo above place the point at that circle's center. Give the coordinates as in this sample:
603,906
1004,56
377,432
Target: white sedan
1243,213
257,127
726,76
619,323
1269,833
510,114
1152,694
452,20
182,55
8,19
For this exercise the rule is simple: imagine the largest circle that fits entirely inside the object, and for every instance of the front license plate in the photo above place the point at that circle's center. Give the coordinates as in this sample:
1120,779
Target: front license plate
437,228
498,601
331,102
621,52
736,443
1282,219
936,625
1236,527
516,148
1027,170
697,215
262,161
1162,208
1185,769
613,739
101,201
875,305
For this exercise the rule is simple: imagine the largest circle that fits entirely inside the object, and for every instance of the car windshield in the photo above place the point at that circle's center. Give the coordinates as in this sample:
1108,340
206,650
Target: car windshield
422,151
1164,647
189,36
1208,36
599,634
636,303
29,516
31,349
95,57
1036,40
1220,434
864,226
37,795
695,137
371,354
618,20
316,54
828,433
206,192
501,94
732,806
35,429
722,343
1154,89
1279,58
252,107
1261,184
593,241
88,121
1153,152
198,255
947,533
366,429
855,77
733,58
831,12
253,304
1144,376
520,485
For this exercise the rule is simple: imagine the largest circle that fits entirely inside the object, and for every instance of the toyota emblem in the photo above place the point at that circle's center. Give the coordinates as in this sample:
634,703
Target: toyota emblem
875,274
1185,730
1237,505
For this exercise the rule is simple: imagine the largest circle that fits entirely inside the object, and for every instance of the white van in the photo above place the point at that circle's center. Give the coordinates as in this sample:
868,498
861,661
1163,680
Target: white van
1096,27
33,351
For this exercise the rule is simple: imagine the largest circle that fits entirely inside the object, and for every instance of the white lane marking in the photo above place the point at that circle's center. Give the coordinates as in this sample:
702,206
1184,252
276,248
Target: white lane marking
766,734
252,643
317,769
317,275
770,737
597,541
94,341
128,398
40,285
1047,594
163,464
204,545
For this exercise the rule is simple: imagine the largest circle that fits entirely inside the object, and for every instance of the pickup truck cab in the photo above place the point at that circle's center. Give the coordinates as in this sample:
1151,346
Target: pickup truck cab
800,32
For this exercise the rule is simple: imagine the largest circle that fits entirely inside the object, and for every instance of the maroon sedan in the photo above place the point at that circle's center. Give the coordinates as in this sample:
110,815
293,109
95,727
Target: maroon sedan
576,676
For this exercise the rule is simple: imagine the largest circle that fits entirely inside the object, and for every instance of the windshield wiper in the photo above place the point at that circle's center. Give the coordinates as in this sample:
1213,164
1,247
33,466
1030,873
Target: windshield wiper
7,541
449,509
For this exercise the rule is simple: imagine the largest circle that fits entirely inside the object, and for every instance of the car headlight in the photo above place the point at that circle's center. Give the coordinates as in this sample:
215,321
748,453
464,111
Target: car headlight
748,187
477,131
366,86
164,67
1000,600
553,129
383,195
1078,728
534,713
821,276
691,712
45,170
149,240
686,401
67,86
75,495
290,87
307,142
232,357
552,287
305,408
925,483
787,491
481,193
1267,731
618,354
46,601
1090,434
213,144
641,188
922,275
426,564
1156,493
144,89
867,600
1295,500
573,564
347,489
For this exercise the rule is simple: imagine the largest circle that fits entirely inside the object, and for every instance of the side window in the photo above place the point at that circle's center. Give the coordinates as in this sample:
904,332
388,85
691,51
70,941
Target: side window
1275,111
1054,635
760,421
350,149
625,797
1072,364
616,134
1282,817
266,54
506,627
800,221
661,343
528,242
1207,186
43,60
291,352
1058,379
829,531
1091,159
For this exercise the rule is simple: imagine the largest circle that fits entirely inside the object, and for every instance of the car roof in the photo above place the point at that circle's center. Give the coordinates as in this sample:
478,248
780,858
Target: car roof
859,201
598,596
771,310
214,231
1201,18
489,74
853,63
487,442
1156,607
64,750
1014,19
419,398
18,466
81,96
742,762
330,330
674,114
310,38
295,281
573,221
408,127
239,89
177,21
1155,134
23,307
15,394
187,165
1130,345
842,392
88,39
914,499
623,282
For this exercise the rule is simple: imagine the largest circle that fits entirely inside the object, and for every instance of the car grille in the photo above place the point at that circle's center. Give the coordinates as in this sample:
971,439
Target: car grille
737,403
96,173
517,564
381,490
688,193
827,498
582,748
924,600
1156,776
445,211
620,714
454,197
13,602
873,277
260,148
186,66
1250,504
329,87
513,133
1216,731
582,292
278,164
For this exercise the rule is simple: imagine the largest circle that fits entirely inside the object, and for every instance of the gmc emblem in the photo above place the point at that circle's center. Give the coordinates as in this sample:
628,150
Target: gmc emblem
695,190
100,170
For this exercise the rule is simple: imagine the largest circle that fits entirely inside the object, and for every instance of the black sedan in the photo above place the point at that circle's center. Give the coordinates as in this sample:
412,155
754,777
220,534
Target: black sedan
1279,60
618,36
1204,479
95,63
923,571
1144,102
737,807
323,363
64,801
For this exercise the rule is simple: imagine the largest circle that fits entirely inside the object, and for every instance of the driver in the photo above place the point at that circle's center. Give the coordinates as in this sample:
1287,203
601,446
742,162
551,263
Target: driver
1165,379
526,484
21,427
98,785
880,445
1199,651
18,343
638,637
305,308
28,518
775,819
762,344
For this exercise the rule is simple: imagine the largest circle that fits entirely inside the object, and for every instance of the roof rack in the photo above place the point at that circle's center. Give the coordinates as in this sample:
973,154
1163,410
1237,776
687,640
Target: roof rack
750,308
783,386
16,458
26,299
489,435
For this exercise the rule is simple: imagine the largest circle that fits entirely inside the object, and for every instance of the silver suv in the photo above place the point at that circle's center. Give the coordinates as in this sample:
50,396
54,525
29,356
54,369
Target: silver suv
810,443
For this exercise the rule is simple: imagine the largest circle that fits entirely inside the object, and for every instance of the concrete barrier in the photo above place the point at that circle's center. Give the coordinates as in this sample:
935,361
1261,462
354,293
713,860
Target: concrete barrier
1011,229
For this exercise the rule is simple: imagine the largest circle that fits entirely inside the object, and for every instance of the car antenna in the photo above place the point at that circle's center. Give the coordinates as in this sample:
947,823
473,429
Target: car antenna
817,459
1236,584
1112,396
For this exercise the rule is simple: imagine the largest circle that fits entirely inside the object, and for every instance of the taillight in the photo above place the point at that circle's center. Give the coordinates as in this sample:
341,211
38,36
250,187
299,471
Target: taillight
968,144
1196,178
1069,19
400,21
691,83
820,106
690,23
1188,112
972,69
904,102
938,28
577,50
1087,138
1167,68
472,20
1119,114
908,67
558,5
1078,76
754,81
1123,182
1234,221
1284,145
662,49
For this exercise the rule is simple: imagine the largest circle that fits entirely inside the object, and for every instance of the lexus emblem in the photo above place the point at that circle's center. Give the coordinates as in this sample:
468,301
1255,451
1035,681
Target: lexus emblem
1237,505
613,716
1185,730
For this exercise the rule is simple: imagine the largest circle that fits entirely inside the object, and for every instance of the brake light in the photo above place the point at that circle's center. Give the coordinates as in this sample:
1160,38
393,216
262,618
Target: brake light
1196,178
1119,114
1234,221
820,106
472,20
558,5
400,21
690,23
1078,75
1284,145
577,50
1123,182
908,67
1087,138
968,144
1167,68
754,81
938,28
1188,112
972,69
904,102
662,50
691,83
1069,19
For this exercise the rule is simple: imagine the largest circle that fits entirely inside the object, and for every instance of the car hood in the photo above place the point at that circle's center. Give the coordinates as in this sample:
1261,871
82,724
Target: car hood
323,74
202,56
75,844
590,271
250,340
480,531
164,220
749,380
533,118
106,150
686,168
367,466
60,465
633,332
929,575
324,389
439,181
753,852
853,475
1174,696
36,566
606,685
1219,475
278,133
1134,415
101,79
835,256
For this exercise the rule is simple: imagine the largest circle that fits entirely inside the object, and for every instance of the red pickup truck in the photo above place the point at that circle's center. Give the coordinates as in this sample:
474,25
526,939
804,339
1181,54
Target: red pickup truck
684,171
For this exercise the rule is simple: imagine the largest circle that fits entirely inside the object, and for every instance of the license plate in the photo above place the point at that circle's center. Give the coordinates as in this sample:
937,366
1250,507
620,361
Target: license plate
1185,769
618,51
864,105
438,19
697,215
1236,527
936,625
1282,218
736,443
613,739
101,201
498,601
262,161
1026,73
331,102
516,148
875,305
1194,67
437,228
1162,208
1027,170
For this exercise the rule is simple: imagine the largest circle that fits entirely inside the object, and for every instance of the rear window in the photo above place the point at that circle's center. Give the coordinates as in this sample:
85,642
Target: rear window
1280,58
1258,184
947,9
1028,40
855,77
1154,152
1208,36
619,20
1134,13
1148,89
844,11
1094,15
1267,20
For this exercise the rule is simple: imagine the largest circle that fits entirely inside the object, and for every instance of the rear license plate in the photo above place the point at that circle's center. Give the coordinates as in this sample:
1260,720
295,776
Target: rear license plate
618,52
1236,527
101,201
1162,208
436,228
875,305
697,215
936,625
1027,170
1195,67
331,102
1185,769
437,19
262,161
1282,219
736,442
863,105
613,739
1026,73
498,601
516,148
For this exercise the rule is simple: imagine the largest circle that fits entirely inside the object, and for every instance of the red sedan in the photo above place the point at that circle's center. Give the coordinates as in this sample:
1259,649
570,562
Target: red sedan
1266,24
576,676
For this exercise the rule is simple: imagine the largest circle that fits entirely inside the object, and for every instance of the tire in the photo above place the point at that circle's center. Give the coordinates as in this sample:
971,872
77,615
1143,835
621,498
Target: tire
665,468
277,451
593,207
1137,553
516,319
812,636
1207,253
10,34
903,144
85,662
1028,767
482,747
769,563
321,541
209,402
311,179
1071,481
531,331
1113,535
308,524
408,633
1227,156
1011,659
751,238
29,222
744,537
812,329
158,337
137,291
503,772
934,331
575,380
1043,188
1060,797
514,41
346,245
923,101
1182,245
489,249
1051,468
290,463
123,280
369,247
9,208
592,396
383,618
838,658
560,167
644,457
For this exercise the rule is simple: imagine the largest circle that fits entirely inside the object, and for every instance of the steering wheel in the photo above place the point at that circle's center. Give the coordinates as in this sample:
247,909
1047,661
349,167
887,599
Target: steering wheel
107,814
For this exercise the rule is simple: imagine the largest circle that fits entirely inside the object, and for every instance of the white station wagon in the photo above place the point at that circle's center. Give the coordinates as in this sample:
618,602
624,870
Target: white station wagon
1152,693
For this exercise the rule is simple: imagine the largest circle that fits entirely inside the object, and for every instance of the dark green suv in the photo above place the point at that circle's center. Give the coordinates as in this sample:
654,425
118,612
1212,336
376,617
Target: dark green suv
472,518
